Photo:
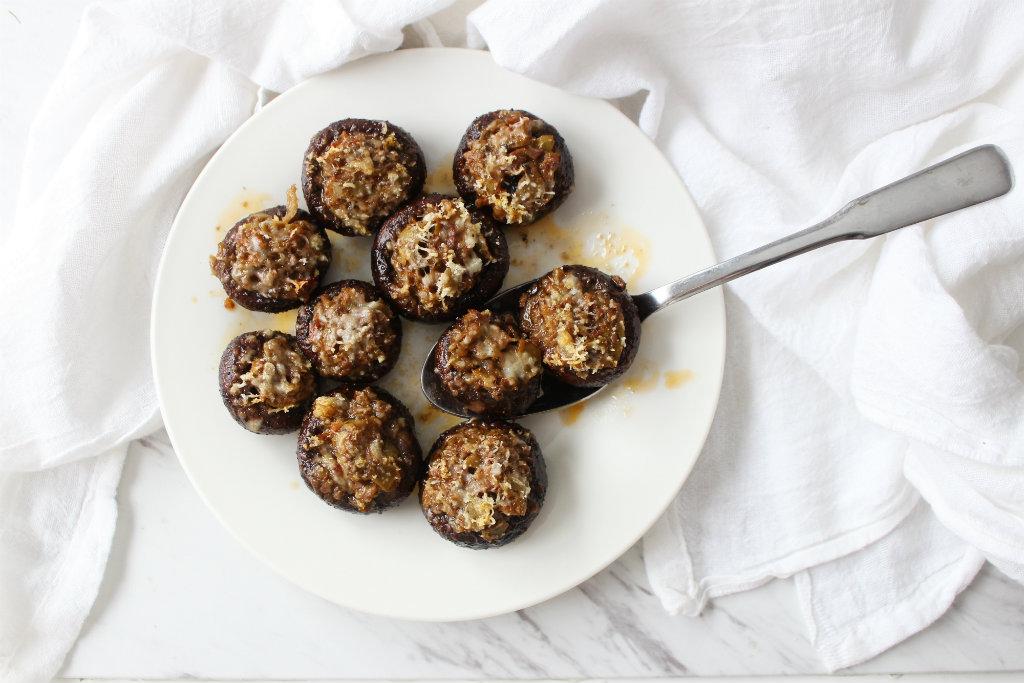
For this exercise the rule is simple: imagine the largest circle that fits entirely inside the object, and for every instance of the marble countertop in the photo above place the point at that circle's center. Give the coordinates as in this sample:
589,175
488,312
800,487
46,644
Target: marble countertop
181,599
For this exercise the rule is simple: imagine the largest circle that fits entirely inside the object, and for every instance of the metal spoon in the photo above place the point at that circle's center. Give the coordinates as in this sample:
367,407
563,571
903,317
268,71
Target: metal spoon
967,179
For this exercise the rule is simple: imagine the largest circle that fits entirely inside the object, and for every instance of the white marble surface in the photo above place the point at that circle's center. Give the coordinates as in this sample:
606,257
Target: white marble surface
181,599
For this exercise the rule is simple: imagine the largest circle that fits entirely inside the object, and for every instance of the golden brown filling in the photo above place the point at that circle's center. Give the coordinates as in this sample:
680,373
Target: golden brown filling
357,447
488,356
479,478
276,257
437,258
279,376
580,328
364,177
350,333
513,165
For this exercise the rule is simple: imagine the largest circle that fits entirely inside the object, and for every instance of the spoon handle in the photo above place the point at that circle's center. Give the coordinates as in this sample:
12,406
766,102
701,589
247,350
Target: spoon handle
967,179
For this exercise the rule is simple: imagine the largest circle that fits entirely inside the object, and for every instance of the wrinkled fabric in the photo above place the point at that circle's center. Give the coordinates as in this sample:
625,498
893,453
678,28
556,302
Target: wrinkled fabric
868,438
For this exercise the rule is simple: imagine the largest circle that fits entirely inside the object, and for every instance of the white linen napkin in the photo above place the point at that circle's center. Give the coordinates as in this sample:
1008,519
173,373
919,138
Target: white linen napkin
868,439
149,91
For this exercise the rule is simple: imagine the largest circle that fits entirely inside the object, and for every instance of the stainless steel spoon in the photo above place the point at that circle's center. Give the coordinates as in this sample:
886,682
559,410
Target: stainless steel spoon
967,179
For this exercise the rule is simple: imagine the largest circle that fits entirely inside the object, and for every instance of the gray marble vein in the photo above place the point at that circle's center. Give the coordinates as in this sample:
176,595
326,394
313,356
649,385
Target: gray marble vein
192,602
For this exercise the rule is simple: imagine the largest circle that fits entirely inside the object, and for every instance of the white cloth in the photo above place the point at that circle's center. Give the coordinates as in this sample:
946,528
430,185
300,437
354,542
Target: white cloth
869,438
866,441
149,91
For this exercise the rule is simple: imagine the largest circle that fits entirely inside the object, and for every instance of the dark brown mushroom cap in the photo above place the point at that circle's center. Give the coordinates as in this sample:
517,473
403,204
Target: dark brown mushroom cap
253,300
387,279
313,186
564,175
515,525
241,393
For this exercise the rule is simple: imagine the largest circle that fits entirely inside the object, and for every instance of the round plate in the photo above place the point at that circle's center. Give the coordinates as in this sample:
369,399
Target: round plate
614,463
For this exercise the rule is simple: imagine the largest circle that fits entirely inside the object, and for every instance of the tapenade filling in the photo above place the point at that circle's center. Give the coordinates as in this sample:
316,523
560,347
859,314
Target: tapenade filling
478,481
513,166
357,449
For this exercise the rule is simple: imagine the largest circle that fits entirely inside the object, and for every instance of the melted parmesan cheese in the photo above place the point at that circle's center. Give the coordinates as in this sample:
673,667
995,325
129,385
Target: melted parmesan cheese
513,169
479,479
354,454
349,333
438,257
580,328
278,377
488,355
276,256
364,177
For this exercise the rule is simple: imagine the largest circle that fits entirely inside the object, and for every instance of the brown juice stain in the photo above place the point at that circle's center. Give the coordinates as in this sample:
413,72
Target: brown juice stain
350,257
250,321
594,238
642,377
440,179
429,414
284,321
677,378
241,205
571,414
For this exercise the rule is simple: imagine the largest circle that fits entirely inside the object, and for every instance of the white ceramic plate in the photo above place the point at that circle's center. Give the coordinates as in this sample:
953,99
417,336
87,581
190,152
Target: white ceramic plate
613,466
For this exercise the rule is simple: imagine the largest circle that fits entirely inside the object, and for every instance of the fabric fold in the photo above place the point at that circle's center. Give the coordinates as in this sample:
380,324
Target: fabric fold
53,559
848,624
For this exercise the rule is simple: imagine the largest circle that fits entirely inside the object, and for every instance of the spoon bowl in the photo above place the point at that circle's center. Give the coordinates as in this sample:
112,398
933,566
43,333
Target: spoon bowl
970,178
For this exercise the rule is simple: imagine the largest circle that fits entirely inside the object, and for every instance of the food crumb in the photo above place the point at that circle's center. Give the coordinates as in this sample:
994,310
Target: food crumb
229,304
293,485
